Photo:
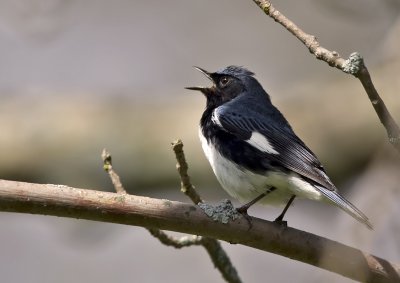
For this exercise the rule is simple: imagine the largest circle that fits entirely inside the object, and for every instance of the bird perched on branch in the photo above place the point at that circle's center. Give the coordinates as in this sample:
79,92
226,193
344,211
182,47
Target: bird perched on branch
253,150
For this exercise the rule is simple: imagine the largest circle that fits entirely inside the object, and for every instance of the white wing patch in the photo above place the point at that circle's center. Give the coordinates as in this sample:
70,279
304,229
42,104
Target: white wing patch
261,142
238,182
214,118
257,140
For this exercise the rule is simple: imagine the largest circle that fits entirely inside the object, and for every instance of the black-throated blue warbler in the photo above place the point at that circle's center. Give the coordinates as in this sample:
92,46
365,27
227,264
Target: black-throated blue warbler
253,150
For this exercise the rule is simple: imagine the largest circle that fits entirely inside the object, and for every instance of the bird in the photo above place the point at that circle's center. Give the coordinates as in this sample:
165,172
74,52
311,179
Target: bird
254,152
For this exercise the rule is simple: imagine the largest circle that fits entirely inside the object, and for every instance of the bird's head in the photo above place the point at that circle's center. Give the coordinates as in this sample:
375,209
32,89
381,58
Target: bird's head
228,83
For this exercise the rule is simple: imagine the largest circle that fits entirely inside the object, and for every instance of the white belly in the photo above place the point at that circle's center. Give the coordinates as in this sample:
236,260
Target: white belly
246,186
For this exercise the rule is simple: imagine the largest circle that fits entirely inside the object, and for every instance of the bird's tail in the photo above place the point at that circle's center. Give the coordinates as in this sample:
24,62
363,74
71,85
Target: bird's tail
347,206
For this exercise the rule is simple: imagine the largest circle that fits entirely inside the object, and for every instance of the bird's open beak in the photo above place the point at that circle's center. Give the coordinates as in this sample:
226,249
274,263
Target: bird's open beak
201,88
207,74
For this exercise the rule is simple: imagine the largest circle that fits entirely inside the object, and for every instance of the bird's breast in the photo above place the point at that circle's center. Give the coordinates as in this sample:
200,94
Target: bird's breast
239,182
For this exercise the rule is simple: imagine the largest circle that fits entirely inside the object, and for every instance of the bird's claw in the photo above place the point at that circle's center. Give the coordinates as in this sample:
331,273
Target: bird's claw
281,222
243,211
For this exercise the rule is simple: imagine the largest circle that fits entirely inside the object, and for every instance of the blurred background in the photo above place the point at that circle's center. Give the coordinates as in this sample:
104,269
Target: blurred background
80,76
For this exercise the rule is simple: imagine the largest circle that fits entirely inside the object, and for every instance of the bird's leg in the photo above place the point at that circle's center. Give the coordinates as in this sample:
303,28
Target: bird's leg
243,209
279,219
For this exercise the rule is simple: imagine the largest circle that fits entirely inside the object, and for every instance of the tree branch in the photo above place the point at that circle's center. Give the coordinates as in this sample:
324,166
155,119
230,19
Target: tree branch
186,186
107,166
354,66
178,243
185,241
58,200
215,251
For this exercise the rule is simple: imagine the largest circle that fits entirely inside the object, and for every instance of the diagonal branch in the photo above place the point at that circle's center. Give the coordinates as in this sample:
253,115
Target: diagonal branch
186,185
217,254
58,200
354,66
214,249
185,241
178,243
380,108
107,166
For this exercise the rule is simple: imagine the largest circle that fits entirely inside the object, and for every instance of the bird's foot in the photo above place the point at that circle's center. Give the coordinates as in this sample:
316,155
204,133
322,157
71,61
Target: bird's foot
279,220
243,211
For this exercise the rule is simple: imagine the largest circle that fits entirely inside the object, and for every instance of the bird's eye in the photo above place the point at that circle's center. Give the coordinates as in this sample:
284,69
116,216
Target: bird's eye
224,81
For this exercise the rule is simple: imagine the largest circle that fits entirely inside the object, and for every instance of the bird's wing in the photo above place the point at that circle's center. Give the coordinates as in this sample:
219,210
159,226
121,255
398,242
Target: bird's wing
277,141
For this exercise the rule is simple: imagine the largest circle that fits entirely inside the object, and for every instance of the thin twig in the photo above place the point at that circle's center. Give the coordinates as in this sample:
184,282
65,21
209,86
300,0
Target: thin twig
63,201
164,238
184,241
354,65
380,108
107,166
217,254
186,186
